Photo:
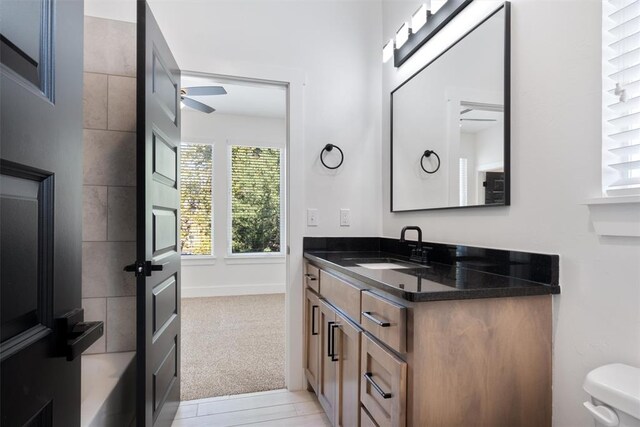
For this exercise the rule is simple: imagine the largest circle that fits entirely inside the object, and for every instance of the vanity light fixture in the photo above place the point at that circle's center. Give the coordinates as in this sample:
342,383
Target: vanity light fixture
419,18
402,35
387,51
425,23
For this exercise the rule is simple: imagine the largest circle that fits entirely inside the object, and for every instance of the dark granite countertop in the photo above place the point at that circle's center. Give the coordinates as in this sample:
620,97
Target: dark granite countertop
464,278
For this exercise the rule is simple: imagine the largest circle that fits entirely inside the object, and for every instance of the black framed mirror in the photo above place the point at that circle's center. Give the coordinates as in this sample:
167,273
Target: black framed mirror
450,124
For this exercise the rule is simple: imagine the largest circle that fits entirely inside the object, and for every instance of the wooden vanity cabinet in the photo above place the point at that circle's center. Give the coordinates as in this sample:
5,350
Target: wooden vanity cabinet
347,339
383,386
327,390
339,378
458,363
311,337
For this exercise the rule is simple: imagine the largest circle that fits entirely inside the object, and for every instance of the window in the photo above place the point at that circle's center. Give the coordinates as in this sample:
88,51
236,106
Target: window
464,182
621,98
196,202
256,186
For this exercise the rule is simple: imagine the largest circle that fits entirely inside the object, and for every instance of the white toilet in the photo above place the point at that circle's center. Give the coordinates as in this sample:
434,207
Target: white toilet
615,395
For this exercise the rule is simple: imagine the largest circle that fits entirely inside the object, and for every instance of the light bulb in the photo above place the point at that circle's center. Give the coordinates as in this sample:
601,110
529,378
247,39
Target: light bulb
436,5
387,51
419,18
402,35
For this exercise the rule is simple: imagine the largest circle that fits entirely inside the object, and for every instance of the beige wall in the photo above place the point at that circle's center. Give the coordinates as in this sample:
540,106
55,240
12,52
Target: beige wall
108,225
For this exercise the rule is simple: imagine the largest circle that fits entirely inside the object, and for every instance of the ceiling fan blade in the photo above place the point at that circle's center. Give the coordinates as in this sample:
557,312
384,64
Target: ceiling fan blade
196,105
204,90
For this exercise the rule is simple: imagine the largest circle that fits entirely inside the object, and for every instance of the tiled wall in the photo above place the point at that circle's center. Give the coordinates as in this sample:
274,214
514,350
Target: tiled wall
108,225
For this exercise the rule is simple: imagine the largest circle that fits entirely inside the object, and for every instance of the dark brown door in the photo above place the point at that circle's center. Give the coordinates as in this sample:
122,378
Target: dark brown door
40,209
158,199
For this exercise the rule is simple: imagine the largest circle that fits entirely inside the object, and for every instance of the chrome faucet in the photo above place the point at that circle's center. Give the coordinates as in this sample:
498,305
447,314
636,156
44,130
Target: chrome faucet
417,254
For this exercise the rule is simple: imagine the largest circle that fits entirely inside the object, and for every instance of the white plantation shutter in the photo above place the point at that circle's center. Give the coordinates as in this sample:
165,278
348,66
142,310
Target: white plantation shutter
621,80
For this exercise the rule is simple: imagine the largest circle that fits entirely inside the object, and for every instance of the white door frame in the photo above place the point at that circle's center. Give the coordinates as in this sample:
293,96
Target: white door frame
294,80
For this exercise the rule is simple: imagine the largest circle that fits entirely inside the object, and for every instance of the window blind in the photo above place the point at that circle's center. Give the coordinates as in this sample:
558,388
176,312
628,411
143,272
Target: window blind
621,72
255,199
196,200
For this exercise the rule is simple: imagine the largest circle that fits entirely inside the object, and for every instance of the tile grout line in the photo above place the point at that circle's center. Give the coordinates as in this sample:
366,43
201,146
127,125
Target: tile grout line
107,216
273,419
240,410
101,73
107,124
235,396
252,422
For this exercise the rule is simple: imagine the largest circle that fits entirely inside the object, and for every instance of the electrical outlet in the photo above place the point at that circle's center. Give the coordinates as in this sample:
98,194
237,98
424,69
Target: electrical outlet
312,217
345,217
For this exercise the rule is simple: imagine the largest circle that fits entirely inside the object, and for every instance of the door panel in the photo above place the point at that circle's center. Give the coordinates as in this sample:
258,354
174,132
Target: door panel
158,258
348,350
327,390
312,334
41,208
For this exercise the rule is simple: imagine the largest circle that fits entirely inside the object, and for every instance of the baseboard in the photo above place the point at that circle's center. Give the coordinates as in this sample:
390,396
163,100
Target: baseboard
232,290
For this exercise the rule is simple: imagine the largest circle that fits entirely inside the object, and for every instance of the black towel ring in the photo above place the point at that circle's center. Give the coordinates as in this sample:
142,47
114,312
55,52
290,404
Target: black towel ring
330,147
428,154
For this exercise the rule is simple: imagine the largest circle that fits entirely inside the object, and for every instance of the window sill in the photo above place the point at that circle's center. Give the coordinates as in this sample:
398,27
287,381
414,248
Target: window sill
615,216
256,259
618,200
198,260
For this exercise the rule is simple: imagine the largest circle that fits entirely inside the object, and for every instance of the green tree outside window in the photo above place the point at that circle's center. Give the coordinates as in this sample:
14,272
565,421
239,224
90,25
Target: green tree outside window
255,199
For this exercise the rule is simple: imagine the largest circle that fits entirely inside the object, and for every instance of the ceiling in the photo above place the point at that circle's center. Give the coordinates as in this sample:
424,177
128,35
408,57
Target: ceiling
242,98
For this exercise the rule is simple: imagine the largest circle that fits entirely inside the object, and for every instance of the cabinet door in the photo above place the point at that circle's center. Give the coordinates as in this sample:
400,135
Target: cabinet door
311,337
383,386
327,387
347,338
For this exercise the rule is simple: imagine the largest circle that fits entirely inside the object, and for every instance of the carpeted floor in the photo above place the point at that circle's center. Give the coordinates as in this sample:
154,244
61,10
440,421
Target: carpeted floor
232,345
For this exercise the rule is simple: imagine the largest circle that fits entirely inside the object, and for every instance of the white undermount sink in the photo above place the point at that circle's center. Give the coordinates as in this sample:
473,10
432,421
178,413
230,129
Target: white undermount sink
383,265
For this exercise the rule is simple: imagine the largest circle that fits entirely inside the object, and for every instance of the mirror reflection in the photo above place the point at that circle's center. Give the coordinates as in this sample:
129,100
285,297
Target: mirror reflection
448,127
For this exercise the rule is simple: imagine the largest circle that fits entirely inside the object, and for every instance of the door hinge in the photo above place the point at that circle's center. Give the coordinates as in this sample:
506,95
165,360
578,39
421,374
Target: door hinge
142,268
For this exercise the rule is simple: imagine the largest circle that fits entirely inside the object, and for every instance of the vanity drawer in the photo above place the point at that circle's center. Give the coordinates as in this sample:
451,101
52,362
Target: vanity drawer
341,294
312,277
383,385
385,320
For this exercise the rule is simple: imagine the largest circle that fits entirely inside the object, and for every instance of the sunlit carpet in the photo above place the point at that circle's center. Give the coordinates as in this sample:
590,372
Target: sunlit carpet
232,345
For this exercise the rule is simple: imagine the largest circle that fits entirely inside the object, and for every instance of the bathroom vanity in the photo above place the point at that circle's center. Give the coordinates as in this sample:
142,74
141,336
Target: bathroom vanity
460,339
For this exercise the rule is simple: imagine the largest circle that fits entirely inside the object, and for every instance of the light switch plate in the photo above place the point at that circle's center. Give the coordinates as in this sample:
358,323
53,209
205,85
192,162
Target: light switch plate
345,217
312,217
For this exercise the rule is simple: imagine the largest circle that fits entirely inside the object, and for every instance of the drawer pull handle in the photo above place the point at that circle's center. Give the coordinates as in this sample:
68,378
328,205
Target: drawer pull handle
369,377
310,277
313,320
329,340
334,356
378,322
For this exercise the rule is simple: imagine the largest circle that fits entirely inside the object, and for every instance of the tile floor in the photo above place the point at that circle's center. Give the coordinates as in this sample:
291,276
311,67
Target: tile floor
276,408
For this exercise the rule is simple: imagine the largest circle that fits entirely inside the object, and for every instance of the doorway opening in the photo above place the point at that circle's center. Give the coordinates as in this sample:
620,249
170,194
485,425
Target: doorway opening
232,231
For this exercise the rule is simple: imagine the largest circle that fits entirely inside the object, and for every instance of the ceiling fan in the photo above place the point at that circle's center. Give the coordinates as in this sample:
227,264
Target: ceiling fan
469,110
186,92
